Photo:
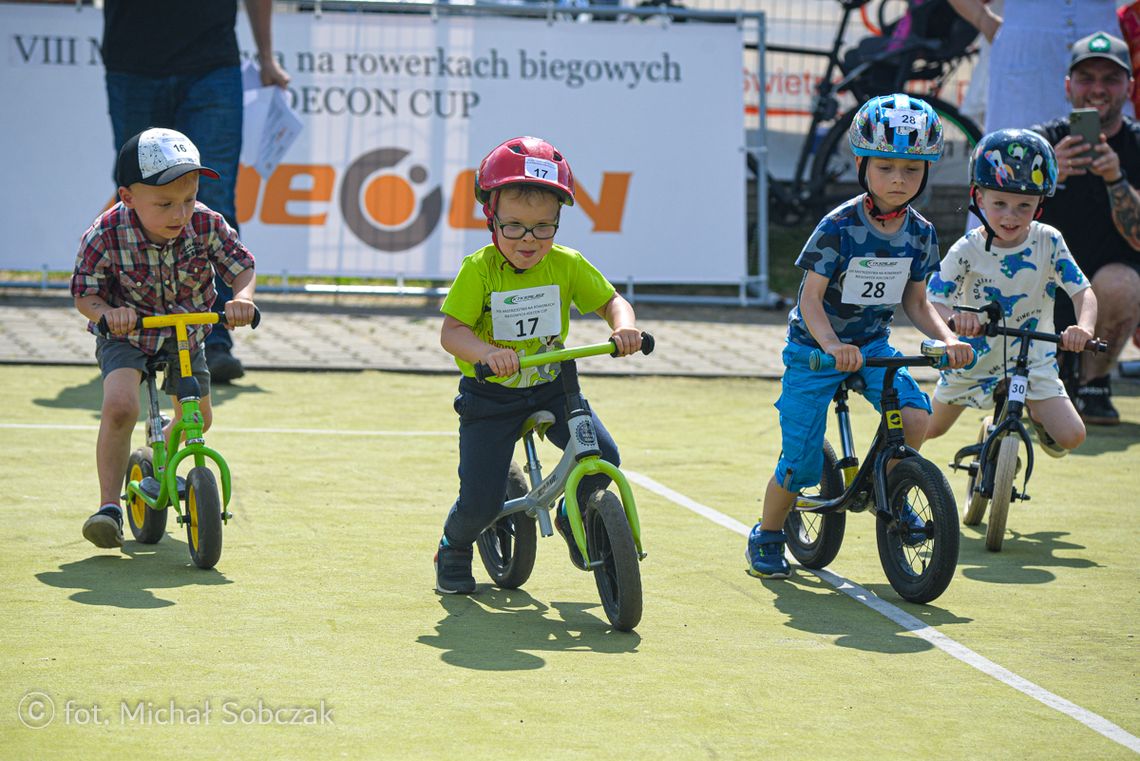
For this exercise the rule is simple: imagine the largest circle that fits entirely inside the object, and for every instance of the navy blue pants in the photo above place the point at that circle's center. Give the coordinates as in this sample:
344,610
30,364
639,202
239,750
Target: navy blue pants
490,417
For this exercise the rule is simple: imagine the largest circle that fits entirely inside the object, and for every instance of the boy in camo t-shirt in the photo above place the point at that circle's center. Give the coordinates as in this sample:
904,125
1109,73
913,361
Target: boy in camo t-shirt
865,258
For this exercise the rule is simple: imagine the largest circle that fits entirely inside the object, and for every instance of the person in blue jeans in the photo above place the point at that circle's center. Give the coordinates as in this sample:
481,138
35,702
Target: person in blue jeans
867,256
176,64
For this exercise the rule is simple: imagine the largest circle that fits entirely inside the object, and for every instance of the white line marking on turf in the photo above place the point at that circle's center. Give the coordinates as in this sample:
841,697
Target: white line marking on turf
290,431
911,624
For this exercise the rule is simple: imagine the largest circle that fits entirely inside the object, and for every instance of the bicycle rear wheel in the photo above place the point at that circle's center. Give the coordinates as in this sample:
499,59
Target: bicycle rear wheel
976,501
919,572
609,542
147,525
508,547
814,539
834,178
1004,471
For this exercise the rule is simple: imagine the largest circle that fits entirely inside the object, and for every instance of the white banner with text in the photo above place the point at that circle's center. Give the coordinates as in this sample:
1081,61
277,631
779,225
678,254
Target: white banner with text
396,112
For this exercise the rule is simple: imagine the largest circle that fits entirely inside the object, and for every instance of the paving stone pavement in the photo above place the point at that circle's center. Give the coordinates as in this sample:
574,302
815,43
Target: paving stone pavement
401,333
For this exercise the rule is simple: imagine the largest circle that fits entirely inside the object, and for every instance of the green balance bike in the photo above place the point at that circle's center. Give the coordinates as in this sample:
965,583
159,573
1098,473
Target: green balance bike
152,484
606,529
916,524
993,462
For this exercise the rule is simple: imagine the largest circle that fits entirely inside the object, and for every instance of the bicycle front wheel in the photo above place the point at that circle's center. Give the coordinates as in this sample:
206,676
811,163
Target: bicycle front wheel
1004,471
203,518
508,547
834,178
919,570
609,542
814,539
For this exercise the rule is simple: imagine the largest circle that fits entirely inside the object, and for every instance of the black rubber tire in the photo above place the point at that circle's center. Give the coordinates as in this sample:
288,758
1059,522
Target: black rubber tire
618,577
508,547
814,539
203,518
976,502
833,179
921,573
1005,469
147,524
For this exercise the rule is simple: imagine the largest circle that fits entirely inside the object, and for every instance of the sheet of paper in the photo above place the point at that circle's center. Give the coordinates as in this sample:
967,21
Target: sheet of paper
269,125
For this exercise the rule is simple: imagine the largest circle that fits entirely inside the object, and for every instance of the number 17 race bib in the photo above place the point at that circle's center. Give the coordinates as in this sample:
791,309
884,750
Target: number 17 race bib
875,280
526,313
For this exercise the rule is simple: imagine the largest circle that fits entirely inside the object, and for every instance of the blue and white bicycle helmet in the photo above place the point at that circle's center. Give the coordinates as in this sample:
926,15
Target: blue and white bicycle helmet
897,126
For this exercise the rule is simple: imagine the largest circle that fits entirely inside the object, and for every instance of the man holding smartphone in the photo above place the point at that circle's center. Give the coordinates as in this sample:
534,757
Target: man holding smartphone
1097,208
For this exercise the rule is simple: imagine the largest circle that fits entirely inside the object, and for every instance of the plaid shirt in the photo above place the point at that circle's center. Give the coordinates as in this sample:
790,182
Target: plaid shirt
117,262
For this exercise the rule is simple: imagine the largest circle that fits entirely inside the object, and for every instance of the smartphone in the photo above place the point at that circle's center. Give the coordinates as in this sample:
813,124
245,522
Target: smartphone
1085,123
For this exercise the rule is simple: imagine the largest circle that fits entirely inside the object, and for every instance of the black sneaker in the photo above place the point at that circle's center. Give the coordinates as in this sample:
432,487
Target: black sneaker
562,525
224,366
1094,402
105,528
453,570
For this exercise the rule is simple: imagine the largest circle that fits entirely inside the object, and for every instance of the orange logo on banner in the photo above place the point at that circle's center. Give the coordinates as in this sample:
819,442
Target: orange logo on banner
378,200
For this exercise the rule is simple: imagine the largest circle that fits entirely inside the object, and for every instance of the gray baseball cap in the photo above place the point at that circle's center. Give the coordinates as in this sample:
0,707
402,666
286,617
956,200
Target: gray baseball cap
1101,45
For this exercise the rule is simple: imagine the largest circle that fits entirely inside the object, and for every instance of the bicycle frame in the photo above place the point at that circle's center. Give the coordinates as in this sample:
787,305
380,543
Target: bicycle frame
888,444
169,454
1009,413
580,458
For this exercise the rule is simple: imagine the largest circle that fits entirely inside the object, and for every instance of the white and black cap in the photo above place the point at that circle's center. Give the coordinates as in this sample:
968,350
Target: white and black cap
158,156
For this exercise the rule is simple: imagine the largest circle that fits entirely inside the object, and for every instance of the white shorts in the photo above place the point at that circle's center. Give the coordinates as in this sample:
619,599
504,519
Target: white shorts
965,389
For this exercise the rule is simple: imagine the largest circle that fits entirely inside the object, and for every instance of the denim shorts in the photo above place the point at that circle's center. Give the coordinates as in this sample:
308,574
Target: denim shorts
113,354
805,401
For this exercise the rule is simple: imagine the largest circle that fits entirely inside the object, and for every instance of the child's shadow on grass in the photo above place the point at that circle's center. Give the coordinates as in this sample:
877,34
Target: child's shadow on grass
89,395
854,624
498,630
126,582
1023,559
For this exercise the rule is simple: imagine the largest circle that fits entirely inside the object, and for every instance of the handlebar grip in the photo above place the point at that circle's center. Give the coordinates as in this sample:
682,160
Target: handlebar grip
647,344
1097,345
252,324
104,330
819,360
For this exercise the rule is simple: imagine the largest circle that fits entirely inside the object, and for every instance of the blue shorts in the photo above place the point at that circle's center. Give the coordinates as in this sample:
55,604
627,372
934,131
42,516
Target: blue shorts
805,400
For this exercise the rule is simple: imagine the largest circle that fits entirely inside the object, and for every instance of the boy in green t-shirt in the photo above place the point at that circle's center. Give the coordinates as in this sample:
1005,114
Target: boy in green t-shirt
522,185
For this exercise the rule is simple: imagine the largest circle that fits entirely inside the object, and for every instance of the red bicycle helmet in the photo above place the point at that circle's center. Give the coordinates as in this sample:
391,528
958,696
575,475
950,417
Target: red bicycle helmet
524,160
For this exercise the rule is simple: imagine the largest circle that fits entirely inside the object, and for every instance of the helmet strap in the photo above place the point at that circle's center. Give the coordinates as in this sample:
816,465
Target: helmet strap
977,212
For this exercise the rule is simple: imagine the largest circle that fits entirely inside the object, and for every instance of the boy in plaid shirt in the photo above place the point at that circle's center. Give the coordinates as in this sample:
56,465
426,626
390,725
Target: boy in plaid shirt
154,252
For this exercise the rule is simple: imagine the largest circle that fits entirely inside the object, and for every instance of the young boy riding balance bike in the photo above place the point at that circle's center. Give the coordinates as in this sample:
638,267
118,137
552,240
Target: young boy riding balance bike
152,253
864,258
513,297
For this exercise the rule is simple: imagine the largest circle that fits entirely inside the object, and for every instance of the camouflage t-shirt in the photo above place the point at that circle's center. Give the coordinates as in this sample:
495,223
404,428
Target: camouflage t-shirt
861,311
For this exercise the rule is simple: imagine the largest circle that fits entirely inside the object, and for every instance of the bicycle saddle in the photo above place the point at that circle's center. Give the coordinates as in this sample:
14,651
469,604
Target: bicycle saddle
538,422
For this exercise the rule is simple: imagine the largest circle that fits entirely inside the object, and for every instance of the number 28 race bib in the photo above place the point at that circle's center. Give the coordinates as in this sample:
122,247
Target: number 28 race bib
526,313
875,280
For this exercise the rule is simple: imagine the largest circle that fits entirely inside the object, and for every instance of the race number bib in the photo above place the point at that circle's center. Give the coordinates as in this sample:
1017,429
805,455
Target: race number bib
543,169
905,119
1018,386
526,313
874,280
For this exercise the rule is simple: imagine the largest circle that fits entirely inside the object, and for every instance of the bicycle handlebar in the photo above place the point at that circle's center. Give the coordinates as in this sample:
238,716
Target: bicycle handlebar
821,360
994,312
483,371
170,320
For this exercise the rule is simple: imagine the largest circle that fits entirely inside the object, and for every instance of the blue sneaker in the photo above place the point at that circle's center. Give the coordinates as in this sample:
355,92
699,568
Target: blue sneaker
765,554
916,525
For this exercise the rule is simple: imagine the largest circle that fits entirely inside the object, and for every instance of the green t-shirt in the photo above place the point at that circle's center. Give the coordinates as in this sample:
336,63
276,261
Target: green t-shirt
529,311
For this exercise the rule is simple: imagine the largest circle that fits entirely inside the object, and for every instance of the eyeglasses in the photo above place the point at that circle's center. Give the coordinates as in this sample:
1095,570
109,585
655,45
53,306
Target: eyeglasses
544,231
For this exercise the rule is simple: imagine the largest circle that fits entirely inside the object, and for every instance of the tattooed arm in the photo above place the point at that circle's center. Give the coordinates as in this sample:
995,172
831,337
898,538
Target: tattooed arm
1125,210
1123,197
